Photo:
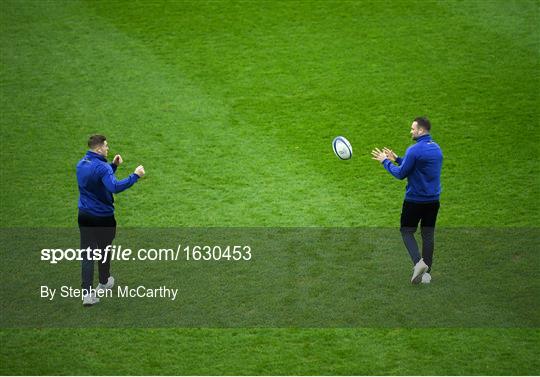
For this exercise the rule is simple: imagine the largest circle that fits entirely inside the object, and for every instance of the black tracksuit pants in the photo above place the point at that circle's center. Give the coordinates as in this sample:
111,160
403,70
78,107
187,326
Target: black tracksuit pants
96,233
425,214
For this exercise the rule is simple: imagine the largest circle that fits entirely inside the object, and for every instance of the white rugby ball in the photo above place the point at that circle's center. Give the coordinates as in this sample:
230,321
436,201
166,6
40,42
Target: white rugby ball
342,148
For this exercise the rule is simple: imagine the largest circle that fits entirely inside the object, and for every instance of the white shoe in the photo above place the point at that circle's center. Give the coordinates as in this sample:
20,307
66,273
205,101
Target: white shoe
419,269
90,299
109,285
426,278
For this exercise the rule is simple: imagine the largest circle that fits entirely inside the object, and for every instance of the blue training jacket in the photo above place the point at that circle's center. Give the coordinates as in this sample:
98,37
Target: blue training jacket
421,165
97,183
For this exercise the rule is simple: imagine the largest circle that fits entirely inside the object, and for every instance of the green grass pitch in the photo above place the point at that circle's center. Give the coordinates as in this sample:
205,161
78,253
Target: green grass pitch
231,107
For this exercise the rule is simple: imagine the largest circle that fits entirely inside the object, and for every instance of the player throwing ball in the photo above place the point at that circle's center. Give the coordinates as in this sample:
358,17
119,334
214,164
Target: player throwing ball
421,165
97,224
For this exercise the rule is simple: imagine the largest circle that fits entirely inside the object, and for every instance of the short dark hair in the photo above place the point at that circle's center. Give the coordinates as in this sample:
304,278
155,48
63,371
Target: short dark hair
423,122
95,141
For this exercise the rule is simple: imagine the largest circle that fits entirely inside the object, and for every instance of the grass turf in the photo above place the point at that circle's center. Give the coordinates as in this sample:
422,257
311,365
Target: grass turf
231,107
271,351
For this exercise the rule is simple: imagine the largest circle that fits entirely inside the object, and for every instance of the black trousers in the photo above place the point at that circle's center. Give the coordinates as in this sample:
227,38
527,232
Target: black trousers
96,233
426,215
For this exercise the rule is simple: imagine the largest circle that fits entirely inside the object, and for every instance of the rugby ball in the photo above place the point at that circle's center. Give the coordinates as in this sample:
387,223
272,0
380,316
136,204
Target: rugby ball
342,148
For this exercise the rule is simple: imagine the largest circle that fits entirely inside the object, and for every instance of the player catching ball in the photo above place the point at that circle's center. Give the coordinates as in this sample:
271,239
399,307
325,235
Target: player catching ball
421,165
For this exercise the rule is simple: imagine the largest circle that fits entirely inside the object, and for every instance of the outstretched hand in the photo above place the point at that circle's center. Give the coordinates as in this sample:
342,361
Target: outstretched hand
390,154
378,155
117,160
140,171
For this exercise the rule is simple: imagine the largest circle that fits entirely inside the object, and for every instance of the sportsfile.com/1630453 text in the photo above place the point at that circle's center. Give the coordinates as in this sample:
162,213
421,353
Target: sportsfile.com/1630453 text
233,253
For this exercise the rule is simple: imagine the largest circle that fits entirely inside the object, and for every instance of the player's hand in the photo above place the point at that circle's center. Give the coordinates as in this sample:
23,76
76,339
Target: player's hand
117,160
140,171
390,154
378,155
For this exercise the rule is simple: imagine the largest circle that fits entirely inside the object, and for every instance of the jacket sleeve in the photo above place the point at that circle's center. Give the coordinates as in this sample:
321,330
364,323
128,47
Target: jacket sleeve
404,168
112,184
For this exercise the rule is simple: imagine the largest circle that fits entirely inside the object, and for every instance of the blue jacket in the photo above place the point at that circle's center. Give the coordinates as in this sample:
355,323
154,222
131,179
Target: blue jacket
97,183
421,165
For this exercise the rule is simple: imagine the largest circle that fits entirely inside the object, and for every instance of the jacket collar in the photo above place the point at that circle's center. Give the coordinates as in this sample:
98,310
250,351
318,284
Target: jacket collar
426,137
91,154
